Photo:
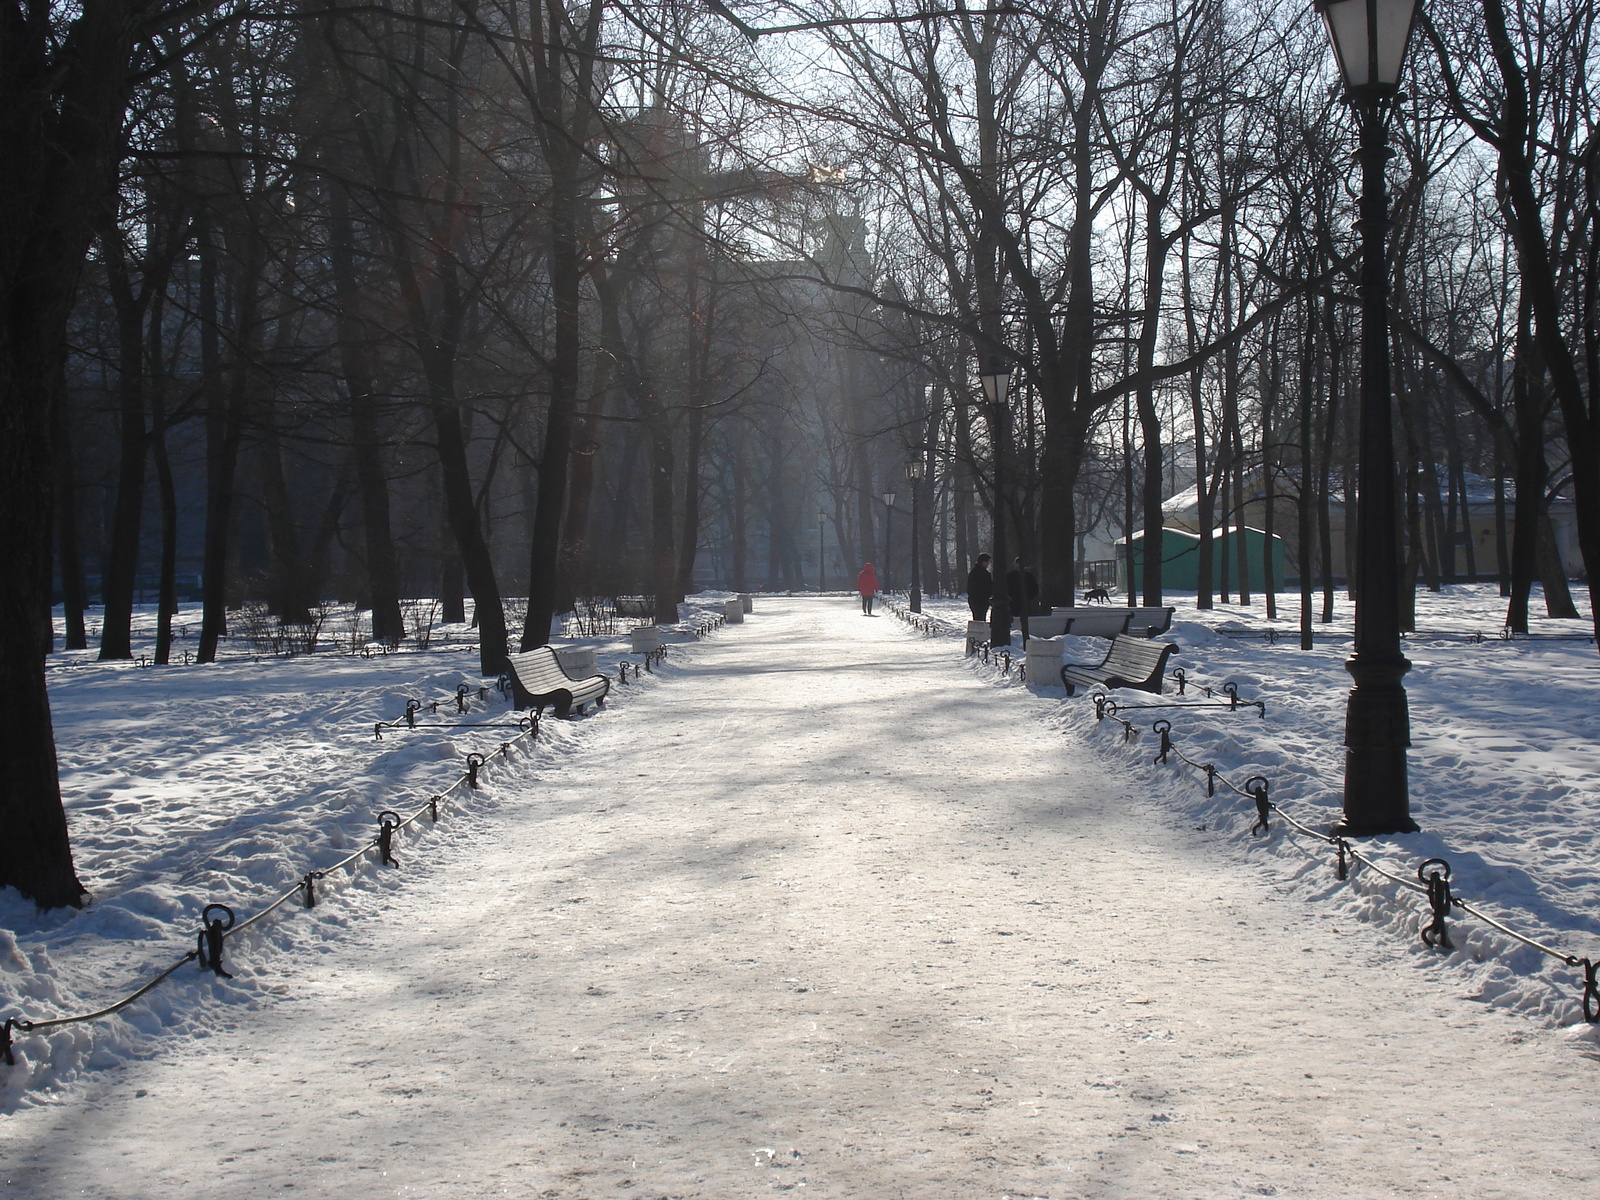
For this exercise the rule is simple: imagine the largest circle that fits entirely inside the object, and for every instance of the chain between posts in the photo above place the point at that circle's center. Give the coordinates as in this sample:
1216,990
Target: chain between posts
1229,689
1347,856
219,922
1432,876
1104,706
927,625
215,929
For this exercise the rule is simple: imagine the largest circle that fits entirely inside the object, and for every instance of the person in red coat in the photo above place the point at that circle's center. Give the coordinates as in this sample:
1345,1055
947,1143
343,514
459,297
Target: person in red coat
867,585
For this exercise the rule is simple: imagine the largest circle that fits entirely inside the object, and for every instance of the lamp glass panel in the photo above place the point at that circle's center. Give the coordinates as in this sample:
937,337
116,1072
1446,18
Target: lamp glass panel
1347,30
1394,31
994,386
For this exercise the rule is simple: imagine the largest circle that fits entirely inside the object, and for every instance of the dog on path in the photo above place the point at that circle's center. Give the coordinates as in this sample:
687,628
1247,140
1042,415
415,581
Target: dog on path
1099,595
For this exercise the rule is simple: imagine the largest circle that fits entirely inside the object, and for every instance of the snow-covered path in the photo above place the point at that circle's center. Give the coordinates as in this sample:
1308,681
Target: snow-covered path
785,922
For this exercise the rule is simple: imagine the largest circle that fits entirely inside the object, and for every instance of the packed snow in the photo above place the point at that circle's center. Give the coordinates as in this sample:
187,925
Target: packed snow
820,904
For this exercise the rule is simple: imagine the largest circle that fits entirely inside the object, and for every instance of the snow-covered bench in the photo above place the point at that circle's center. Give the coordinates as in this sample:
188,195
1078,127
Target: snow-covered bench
1132,662
1104,622
1095,622
537,680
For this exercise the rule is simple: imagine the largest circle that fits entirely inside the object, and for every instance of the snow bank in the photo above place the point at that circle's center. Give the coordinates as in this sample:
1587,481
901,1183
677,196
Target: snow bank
1503,773
189,785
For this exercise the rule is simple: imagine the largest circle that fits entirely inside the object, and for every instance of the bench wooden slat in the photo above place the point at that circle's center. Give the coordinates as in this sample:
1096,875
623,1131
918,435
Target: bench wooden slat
1131,662
537,680
1109,620
1106,623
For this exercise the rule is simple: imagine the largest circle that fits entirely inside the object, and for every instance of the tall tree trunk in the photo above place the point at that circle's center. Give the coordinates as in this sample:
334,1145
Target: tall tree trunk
1230,444
1306,498
461,511
287,579
1440,557
663,553
739,513
1502,524
122,558
1225,498
69,553
1469,536
575,550
689,544
1411,539
566,278
563,86
1272,370
775,506
1330,431
1529,414
1156,246
316,588
1127,503
167,492
696,368
1552,575
355,365
224,424
1204,502
452,580
64,79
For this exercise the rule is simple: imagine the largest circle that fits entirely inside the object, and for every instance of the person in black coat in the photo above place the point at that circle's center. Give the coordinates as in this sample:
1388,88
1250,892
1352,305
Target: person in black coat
980,588
1018,580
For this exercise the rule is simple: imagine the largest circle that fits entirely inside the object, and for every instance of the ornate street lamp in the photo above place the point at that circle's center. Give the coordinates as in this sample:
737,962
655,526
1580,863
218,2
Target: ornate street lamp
888,535
1369,39
995,380
915,468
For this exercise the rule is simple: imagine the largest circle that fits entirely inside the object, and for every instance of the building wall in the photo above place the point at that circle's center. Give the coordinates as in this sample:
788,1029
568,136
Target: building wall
1180,560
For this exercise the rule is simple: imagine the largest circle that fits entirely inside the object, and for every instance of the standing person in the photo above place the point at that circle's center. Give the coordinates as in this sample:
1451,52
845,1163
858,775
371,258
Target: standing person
867,585
980,588
1021,585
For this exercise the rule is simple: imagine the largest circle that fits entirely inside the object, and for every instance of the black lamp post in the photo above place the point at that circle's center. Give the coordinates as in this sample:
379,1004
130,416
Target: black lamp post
1369,38
995,380
914,471
888,535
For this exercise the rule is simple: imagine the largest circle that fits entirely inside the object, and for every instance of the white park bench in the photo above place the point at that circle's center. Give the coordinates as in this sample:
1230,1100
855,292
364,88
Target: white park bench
537,680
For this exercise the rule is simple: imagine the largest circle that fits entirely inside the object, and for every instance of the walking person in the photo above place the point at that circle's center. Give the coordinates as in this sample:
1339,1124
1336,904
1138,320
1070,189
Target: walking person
867,585
1022,589
980,588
